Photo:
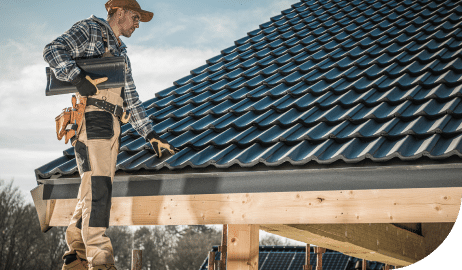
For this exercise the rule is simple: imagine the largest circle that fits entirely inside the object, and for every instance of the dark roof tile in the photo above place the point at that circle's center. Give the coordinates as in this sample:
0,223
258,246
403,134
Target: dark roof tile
322,81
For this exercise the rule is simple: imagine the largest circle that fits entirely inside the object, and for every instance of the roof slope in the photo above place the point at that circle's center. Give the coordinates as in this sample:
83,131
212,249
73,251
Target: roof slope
293,258
323,81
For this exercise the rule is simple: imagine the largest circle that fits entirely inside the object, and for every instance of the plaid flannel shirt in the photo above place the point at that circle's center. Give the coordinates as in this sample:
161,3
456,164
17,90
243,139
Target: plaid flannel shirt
85,40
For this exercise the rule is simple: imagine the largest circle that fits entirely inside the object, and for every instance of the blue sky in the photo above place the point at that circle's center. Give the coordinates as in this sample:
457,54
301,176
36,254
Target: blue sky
180,37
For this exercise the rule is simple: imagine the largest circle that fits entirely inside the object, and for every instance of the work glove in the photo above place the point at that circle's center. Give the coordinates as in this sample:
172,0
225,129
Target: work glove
86,85
158,143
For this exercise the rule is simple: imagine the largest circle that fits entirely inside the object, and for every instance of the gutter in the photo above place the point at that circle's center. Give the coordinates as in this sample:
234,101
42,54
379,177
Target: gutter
357,178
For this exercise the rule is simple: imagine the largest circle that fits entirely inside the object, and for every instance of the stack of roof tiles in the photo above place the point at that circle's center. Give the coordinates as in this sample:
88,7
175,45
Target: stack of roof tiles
323,81
293,258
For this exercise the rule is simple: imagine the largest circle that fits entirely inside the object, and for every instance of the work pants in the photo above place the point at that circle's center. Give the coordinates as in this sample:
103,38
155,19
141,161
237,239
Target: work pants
96,153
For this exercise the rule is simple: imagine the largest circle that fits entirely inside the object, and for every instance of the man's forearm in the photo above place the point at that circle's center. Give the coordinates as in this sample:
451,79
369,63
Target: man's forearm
138,117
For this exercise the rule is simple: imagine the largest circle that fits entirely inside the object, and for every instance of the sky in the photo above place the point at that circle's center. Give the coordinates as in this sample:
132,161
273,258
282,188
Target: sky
181,36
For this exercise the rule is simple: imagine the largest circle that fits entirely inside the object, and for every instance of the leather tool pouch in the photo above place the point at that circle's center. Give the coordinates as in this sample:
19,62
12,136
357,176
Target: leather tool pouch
69,122
62,121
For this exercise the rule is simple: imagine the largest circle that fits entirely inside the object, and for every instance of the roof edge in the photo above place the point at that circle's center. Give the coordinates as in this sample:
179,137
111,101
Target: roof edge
296,180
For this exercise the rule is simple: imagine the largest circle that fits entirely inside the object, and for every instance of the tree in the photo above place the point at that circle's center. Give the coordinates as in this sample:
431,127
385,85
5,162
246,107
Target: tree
272,240
54,245
158,244
22,244
193,246
122,243
14,224
175,247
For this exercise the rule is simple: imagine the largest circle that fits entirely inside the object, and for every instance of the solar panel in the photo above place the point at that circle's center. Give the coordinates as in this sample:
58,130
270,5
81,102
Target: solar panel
278,260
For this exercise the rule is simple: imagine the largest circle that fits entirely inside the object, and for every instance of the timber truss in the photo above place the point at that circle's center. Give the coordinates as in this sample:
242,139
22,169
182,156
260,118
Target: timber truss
362,212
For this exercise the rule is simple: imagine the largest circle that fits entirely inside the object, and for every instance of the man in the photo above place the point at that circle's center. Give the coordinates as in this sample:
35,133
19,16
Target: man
97,142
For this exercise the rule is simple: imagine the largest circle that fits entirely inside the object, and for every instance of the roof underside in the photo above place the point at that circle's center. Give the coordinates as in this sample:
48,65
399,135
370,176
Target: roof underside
322,82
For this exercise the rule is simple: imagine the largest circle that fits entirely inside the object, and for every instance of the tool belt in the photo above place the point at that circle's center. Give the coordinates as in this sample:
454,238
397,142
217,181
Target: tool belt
109,107
69,122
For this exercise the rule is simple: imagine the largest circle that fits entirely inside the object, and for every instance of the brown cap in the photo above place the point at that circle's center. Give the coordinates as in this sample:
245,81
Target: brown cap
146,16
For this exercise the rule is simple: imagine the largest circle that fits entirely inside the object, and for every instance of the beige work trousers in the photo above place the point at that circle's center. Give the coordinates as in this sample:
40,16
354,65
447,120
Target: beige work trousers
96,153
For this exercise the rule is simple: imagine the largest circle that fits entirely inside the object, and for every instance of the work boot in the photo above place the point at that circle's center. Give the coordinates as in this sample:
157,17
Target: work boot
104,267
72,262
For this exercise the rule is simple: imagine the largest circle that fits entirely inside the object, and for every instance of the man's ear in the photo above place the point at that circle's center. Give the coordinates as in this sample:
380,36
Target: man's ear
120,12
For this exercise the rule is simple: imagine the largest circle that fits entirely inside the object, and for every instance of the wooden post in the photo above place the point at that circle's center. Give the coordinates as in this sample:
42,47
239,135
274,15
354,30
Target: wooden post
307,265
243,247
364,266
319,251
137,259
386,267
218,265
211,261
223,248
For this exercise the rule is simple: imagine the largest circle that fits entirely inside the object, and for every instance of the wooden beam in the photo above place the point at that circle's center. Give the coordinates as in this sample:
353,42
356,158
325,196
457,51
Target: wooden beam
211,265
243,247
309,207
319,252
307,265
434,234
223,247
137,259
44,208
374,242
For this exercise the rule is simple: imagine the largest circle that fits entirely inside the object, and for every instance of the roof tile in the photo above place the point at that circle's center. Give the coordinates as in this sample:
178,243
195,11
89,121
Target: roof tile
322,81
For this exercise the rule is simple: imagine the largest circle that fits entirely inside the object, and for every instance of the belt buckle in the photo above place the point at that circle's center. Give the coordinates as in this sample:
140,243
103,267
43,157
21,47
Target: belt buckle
115,110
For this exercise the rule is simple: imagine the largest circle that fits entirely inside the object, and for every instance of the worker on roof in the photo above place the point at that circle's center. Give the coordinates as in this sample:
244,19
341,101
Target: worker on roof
98,140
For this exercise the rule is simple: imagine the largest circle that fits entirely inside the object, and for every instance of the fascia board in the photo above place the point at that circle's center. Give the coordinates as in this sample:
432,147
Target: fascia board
356,178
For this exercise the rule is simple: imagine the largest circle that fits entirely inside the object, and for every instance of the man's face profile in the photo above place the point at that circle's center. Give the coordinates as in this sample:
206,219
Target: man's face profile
128,22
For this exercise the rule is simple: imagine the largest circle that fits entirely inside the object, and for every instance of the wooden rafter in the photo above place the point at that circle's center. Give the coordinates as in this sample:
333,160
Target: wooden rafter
375,242
308,207
332,219
243,247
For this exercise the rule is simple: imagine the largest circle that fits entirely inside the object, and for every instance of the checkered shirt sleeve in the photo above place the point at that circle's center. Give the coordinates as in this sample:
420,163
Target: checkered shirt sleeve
84,40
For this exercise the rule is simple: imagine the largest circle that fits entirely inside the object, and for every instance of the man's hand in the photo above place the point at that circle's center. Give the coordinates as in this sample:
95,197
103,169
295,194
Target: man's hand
159,143
86,85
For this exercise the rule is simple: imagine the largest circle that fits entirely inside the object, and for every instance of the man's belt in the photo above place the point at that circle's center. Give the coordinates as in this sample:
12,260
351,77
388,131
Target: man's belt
109,107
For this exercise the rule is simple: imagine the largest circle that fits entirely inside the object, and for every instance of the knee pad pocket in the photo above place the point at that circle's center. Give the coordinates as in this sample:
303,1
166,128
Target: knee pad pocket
101,192
99,125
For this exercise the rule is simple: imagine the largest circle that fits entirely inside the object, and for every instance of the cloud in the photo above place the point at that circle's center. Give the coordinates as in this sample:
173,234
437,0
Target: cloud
216,30
19,164
157,69
27,156
23,104
24,50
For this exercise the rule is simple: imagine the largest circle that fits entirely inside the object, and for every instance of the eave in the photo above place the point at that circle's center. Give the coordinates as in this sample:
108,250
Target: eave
280,199
387,194
269,181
